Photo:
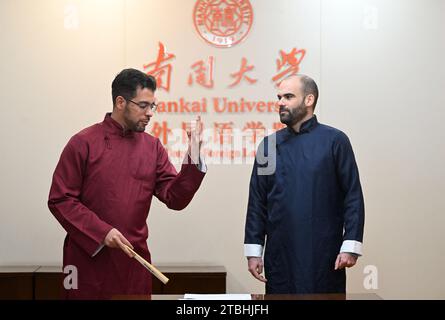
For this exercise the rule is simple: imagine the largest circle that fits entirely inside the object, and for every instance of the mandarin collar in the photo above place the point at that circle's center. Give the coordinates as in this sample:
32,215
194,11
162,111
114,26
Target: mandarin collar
306,126
114,127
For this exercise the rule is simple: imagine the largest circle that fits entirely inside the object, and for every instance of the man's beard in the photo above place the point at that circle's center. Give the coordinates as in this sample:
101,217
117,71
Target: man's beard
294,115
131,125
135,126
138,128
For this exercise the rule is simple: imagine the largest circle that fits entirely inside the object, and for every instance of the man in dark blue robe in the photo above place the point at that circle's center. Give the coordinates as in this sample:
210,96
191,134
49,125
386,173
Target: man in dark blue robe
305,200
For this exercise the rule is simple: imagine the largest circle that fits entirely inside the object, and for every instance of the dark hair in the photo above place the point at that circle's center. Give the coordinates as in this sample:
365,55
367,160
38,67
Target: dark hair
308,86
128,81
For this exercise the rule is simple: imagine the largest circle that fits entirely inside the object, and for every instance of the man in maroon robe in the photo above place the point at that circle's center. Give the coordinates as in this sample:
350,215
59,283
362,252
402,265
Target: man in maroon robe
103,186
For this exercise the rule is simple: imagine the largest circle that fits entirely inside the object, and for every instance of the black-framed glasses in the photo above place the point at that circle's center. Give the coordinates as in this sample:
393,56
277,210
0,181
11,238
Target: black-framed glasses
145,105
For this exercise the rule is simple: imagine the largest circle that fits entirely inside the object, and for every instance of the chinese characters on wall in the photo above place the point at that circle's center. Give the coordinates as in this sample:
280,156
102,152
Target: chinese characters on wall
222,139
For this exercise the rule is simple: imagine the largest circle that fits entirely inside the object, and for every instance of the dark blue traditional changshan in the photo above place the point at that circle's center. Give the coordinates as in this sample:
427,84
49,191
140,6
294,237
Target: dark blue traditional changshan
306,209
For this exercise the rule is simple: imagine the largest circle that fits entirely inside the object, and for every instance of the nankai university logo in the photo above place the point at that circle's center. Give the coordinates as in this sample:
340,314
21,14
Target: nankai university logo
223,23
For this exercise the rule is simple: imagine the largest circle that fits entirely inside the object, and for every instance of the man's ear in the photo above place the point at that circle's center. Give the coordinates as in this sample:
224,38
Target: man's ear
309,100
120,102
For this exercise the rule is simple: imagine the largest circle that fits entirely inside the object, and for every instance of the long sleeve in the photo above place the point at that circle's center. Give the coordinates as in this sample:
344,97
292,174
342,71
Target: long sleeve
81,224
353,205
174,189
255,229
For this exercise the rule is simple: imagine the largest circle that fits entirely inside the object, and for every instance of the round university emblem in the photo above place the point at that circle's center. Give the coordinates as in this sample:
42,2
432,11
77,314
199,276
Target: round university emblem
223,23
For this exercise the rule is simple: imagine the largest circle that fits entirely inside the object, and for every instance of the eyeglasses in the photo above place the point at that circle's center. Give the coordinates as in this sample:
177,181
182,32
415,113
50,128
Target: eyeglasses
145,105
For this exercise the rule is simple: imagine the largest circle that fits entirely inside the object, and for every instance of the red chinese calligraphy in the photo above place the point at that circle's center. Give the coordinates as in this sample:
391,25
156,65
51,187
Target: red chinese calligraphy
203,73
223,132
161,72
290,61
241,73
161,131
256,129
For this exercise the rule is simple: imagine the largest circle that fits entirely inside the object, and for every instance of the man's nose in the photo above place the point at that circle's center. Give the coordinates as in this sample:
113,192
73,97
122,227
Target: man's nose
149,112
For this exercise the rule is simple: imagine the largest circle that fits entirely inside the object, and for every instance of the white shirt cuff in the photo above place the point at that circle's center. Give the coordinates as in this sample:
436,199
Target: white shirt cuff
201,165
98,249
352,246
253,250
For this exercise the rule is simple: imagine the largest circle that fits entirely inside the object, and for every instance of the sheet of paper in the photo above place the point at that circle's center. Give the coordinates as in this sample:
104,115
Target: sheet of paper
236,296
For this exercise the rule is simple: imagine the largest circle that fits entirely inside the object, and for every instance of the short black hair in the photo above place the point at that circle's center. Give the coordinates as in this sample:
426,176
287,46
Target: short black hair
128,81
308,86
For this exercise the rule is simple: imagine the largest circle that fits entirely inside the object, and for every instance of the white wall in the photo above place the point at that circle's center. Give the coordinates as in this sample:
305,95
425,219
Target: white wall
384,88
381,86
